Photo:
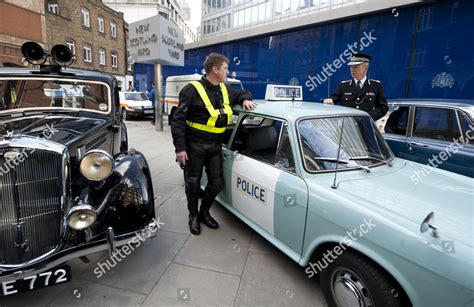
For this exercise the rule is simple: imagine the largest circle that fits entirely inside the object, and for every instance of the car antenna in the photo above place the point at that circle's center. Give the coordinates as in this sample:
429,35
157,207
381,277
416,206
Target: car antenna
334,185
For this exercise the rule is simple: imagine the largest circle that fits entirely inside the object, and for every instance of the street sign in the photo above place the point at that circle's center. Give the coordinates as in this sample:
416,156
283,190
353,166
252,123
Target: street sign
156,40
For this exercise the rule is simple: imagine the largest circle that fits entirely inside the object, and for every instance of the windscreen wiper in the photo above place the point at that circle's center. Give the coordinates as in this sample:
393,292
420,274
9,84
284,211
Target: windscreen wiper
335,160
372,158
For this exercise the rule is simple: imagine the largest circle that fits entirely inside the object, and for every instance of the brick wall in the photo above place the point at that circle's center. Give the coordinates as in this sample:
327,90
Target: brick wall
67,26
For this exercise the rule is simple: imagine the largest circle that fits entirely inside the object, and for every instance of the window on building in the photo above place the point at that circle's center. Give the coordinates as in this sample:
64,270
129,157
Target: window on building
114,59
113,29
102,56
426,18
72,46
85,16
87,53
100,21
53,7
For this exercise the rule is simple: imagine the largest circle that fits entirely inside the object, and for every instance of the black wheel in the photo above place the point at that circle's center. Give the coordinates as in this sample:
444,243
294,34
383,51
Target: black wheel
353,280
125,114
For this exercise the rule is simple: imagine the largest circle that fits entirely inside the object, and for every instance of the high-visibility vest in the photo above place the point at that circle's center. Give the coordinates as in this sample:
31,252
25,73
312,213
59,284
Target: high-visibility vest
210,126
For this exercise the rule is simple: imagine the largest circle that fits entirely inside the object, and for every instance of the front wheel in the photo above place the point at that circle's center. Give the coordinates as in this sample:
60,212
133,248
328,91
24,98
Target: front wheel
125,114
353,280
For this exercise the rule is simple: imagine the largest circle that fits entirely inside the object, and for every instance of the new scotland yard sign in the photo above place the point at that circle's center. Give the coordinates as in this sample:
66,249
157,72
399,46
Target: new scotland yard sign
156,40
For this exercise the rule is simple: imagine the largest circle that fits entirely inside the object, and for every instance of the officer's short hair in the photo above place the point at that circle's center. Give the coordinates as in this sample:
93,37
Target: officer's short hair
214,59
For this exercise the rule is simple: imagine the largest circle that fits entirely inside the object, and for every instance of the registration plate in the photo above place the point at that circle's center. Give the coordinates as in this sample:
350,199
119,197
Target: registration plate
149,111
45,279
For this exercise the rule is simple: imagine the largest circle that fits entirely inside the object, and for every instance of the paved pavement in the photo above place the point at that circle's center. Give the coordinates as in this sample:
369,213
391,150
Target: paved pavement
231,266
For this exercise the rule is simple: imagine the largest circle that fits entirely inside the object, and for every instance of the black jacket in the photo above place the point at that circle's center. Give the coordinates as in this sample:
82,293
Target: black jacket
191,107
369,98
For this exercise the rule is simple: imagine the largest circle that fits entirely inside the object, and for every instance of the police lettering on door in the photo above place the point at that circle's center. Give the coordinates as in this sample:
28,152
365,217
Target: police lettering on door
251,189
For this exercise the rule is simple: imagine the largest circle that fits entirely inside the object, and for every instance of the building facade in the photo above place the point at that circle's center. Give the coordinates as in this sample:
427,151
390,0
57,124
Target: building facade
20,21
95,33
423,50
175,10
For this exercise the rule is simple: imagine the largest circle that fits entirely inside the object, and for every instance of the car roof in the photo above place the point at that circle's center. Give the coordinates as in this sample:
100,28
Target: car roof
66,74
464,104
298,109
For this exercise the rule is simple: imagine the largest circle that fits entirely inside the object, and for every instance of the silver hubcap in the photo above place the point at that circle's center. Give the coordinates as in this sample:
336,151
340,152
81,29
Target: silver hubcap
348,289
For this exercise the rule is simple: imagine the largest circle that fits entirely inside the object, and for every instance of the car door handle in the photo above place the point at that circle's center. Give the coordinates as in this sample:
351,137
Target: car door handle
411,145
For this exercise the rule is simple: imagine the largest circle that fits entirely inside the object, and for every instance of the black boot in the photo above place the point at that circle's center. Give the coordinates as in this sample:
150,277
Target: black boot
204,216
194,226
206,219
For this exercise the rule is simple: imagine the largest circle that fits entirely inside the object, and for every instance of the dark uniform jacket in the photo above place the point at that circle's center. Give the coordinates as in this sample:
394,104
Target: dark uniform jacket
192,108
369,98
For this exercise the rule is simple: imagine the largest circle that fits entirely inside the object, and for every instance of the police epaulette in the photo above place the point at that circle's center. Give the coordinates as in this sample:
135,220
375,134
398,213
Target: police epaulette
375,80
345,81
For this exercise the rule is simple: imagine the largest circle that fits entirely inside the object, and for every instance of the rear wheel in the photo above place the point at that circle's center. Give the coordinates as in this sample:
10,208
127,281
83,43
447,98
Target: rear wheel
354,280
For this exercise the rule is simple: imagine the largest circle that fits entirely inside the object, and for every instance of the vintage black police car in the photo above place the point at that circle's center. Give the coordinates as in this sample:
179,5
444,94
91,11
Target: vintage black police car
69,186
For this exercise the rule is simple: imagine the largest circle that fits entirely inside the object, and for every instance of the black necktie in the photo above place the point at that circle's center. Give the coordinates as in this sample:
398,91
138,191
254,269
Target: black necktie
358,84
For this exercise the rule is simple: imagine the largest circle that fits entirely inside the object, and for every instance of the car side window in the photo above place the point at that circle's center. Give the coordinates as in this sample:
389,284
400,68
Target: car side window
436,124
265,140
398,121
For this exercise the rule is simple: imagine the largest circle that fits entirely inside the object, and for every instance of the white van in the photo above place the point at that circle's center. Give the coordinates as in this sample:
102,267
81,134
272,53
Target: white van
174,84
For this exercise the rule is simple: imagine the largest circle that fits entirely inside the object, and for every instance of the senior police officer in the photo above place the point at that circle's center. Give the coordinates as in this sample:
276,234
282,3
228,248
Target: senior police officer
197,127
360,92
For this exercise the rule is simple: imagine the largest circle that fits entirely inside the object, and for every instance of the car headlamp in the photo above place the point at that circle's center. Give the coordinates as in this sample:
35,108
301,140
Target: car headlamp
81,217
96,165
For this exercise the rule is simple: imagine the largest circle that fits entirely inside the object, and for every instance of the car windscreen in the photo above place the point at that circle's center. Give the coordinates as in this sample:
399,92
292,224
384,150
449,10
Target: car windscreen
323,147
27,93
137,96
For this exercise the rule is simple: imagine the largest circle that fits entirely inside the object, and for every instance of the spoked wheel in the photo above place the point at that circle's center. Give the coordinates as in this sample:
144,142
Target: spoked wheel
353,280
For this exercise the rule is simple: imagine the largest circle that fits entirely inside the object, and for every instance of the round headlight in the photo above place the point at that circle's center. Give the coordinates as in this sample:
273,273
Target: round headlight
81,217
96,165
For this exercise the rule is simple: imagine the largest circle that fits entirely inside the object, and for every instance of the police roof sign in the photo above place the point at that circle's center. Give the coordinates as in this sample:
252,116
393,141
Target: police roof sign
156,40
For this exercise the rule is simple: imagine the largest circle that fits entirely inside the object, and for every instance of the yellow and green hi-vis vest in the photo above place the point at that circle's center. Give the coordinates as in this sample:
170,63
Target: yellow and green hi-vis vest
210,126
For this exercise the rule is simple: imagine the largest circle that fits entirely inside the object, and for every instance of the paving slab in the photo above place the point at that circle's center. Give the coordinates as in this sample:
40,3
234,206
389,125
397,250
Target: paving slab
140,270
187,286
222,250
85,293
272,279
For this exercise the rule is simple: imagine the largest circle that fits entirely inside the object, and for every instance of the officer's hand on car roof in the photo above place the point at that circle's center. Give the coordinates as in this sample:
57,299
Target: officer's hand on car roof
249,105
328,101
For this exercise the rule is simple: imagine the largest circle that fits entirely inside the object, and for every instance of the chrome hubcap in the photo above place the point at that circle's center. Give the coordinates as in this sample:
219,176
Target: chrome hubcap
348,289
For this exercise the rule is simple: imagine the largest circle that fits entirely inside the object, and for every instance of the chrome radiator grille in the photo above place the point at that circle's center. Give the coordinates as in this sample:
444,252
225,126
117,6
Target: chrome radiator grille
30,205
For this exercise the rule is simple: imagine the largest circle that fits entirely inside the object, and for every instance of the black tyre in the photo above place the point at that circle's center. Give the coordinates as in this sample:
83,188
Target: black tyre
353,280
125,114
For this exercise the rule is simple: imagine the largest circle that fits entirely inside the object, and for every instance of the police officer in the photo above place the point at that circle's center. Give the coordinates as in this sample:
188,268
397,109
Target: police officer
360,92
197,127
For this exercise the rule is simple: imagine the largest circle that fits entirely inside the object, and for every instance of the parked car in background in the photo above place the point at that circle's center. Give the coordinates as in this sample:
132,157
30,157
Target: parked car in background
440,131
69,185
174,84
321,184
135,104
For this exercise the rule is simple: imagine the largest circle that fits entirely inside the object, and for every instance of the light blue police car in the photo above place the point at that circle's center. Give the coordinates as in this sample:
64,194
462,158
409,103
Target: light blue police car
320,183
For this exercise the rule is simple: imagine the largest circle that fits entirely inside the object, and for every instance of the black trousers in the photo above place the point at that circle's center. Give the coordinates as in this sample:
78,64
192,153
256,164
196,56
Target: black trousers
208,154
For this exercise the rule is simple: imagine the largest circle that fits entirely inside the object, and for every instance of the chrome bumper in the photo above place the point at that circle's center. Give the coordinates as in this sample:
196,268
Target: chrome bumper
32,268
